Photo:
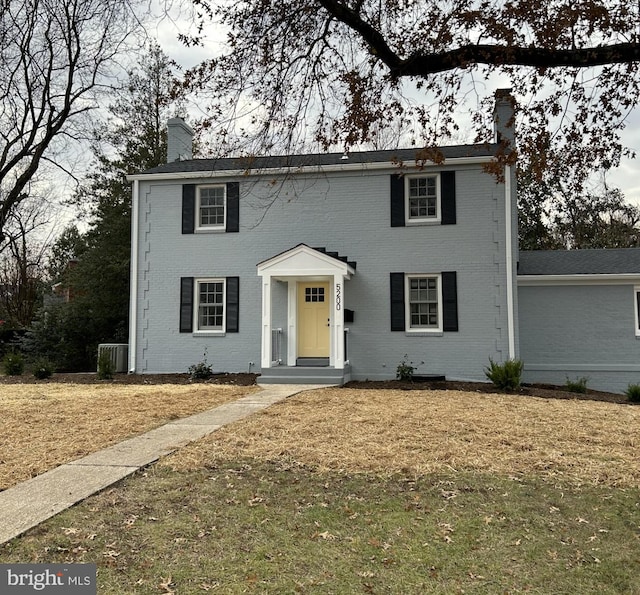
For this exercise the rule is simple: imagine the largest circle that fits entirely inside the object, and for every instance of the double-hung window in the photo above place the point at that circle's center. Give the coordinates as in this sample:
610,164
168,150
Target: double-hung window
423,199
424,303
209,305
210,315
636,295
211,207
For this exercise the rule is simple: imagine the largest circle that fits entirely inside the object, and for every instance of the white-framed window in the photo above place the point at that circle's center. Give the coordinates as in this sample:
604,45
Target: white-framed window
210,304
422,196
423,308
636,307
211,207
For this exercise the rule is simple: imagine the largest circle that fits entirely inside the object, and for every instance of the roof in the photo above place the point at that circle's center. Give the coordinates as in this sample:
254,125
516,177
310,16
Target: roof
317,160
609,261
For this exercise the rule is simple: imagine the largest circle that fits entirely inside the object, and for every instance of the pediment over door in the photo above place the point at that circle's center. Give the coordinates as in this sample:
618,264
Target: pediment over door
304,261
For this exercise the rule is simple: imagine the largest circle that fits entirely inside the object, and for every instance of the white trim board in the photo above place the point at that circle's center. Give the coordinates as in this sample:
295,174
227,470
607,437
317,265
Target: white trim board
592,279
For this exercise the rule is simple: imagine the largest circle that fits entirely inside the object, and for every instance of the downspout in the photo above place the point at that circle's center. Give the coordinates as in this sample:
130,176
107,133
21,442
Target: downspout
509,262
133,280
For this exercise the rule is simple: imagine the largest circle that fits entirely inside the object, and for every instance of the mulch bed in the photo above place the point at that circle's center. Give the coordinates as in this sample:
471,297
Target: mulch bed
545,391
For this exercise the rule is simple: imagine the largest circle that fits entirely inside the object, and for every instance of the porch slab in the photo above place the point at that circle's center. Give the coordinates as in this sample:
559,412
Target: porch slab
304,375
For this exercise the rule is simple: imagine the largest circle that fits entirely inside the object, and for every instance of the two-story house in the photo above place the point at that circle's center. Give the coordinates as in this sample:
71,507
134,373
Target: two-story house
325,267
331,267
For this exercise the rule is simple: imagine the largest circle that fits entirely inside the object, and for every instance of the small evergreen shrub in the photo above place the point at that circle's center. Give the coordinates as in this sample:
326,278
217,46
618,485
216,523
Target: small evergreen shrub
43,369
202,370
405,370
579,385
505,376
105,366
633,393
13,364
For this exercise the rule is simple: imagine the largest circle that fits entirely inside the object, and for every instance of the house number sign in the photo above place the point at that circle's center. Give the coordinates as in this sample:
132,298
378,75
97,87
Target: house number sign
338,296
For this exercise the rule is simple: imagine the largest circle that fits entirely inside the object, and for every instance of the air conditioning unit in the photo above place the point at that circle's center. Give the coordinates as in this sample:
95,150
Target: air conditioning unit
119,354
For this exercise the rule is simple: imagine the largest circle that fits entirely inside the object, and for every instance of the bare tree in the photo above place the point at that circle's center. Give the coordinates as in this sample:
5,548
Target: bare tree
54,57
331,71
28,236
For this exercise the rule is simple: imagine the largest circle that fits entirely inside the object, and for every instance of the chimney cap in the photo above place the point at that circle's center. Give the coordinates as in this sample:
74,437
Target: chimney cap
177,121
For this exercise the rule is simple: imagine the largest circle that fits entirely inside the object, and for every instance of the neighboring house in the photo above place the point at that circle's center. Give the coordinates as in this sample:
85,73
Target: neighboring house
331,267
578,315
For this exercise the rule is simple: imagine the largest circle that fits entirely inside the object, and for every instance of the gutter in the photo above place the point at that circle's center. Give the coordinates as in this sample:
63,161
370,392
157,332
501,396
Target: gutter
133,279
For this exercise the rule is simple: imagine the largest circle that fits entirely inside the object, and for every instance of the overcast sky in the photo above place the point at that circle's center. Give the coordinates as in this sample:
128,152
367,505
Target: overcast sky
626,177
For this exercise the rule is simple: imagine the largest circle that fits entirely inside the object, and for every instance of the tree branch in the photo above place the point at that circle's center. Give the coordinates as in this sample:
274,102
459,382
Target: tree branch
424,63
498,55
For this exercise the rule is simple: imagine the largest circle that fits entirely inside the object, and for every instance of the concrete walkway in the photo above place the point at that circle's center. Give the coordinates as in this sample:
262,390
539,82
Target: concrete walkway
29,503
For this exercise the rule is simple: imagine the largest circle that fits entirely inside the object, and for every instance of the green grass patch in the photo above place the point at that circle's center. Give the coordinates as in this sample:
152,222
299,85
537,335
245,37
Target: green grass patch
248,527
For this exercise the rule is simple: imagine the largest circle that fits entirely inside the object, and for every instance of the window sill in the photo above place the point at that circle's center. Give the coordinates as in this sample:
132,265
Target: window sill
210,230
435,333
420,222
209,334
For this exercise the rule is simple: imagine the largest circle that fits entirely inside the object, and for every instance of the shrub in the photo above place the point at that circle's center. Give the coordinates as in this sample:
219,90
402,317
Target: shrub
202,370
579,385
405,370
505,376
43,369
105,366
13,364
633,393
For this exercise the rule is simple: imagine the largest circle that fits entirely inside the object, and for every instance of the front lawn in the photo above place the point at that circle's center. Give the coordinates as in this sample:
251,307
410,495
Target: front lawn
351,491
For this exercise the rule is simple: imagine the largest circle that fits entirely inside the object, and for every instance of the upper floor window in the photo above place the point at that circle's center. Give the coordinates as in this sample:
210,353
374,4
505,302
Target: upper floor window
211,207
422,197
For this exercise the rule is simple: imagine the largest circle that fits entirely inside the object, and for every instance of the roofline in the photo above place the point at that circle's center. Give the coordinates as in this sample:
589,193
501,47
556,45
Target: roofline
270,171
585,279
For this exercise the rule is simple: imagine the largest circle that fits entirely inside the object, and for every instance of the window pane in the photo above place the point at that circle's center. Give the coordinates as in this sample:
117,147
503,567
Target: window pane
212,206
423,302
211,305
423,199
314,294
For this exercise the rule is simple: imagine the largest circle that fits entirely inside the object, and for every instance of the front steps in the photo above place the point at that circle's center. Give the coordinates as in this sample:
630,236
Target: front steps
304,375
320,362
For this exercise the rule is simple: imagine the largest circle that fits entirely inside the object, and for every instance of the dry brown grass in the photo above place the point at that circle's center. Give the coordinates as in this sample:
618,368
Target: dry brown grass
45,425
429,431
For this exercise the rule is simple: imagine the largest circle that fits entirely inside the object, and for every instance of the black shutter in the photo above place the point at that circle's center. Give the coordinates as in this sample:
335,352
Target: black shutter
188,208
397,201
233,206
450,301
448,197
233,304
638,307
186,304
397,301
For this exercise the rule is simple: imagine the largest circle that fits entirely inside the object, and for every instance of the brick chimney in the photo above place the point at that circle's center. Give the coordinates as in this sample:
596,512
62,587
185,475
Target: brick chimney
504,118
179,140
